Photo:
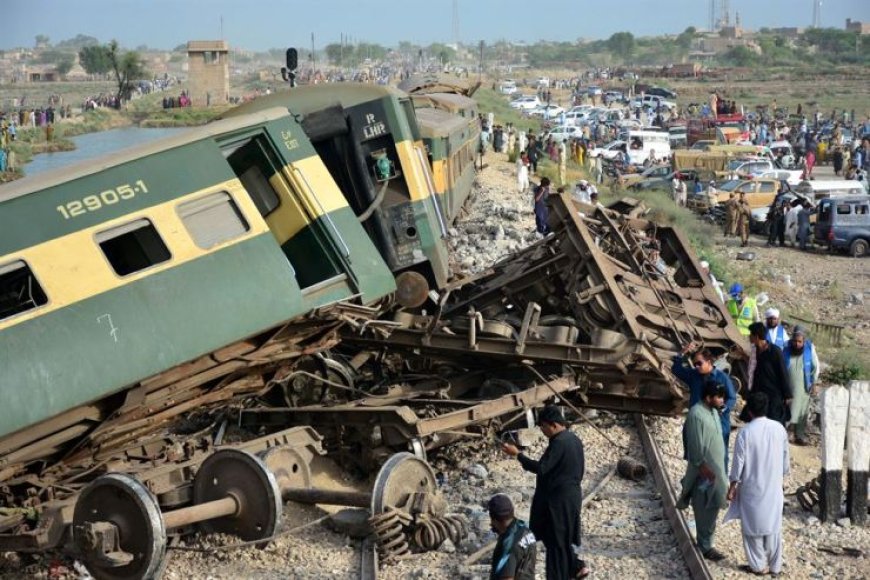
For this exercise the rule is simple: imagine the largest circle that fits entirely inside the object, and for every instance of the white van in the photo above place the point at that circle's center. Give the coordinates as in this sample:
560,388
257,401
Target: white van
642,144
818,189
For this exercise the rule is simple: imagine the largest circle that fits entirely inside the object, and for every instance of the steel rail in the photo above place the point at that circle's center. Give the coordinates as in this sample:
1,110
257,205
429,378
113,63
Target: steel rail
695,562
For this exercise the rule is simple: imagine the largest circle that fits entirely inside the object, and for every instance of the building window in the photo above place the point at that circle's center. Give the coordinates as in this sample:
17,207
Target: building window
133,247
213,219
19,290
211,57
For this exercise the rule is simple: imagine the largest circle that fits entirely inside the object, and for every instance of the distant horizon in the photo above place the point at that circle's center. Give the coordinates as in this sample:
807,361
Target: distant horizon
262,25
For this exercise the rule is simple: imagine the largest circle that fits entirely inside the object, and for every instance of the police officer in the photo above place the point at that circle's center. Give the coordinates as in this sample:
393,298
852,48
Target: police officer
555,514
515,550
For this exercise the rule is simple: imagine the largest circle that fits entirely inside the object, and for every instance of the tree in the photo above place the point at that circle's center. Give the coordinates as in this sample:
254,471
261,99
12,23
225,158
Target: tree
127,67
95,60
42,40
80,40
741,56
621,44
441,51
684,40
64,64
338,54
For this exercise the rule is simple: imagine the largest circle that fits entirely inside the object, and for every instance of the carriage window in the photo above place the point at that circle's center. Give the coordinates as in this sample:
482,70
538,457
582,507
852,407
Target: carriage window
844,209
213,219
19,290
862,209
133,247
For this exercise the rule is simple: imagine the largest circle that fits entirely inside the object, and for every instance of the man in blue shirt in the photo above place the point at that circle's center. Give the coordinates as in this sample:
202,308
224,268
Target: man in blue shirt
702,369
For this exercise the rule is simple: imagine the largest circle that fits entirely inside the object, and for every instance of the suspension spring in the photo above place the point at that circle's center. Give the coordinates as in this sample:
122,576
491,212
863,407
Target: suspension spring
389,528
431,531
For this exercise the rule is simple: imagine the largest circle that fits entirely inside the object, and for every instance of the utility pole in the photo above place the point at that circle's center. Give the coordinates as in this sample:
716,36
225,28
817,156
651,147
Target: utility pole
456,23
817,13
313,58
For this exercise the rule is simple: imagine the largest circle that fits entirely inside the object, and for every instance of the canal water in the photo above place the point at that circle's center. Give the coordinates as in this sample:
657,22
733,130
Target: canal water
95,145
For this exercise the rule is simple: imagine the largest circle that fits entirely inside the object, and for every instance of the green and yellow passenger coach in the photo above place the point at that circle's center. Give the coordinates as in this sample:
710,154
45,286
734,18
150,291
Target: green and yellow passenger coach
116,270
368,138
451,134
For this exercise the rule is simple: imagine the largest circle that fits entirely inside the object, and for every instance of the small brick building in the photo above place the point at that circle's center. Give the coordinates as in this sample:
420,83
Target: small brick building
208,67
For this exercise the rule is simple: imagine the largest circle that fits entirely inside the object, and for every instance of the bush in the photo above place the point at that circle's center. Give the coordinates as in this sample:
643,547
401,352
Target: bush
842,373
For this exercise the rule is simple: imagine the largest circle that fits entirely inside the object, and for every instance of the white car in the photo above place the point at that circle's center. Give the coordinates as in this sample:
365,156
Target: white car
526,103
547,111
653,101
508,87
610,151
792,177
565,132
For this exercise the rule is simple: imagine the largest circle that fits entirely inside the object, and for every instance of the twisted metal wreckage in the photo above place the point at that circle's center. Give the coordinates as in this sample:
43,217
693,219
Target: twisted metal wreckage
592,314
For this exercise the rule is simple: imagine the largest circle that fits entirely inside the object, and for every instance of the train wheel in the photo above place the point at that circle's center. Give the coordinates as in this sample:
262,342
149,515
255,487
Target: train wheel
135,548
245,477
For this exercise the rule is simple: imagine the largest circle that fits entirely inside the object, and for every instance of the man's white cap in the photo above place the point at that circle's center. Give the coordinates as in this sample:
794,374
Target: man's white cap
771,313
705,264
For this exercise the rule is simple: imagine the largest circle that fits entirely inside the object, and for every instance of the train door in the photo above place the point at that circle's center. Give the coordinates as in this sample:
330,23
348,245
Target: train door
317,258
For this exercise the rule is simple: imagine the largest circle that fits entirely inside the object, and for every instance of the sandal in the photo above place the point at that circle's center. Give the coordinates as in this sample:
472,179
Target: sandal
748,569
583,573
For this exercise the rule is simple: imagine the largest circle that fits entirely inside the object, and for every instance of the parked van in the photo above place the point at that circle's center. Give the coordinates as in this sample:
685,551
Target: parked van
817,190
843,223
641,144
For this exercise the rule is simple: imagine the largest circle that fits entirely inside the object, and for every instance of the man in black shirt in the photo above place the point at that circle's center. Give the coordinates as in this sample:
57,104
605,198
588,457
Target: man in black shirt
770,376
514,556
555,514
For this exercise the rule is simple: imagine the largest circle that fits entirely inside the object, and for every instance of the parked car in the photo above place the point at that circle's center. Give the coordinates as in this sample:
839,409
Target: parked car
701,144
593,90
614,97
758,223
792,176
508,87
653,101
738,168
544,82
818,189
610,151
526,103
662,92
663,182
843,223
653,172
546,111
565,132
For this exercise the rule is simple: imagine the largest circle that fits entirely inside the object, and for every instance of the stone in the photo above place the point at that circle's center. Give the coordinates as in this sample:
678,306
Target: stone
844,523
447,547
477,470
353,522
812,521
856,298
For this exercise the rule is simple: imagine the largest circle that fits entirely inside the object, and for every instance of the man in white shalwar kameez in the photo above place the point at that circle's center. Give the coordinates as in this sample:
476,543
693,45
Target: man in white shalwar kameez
758,466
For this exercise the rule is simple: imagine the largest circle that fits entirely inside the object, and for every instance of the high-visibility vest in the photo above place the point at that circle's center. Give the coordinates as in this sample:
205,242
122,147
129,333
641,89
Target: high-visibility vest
743,314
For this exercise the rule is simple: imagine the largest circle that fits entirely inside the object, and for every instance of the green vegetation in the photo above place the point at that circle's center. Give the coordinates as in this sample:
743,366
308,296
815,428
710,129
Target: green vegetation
490,100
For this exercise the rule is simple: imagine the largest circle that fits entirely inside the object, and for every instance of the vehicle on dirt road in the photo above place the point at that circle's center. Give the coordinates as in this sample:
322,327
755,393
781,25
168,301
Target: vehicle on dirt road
526,102
843,223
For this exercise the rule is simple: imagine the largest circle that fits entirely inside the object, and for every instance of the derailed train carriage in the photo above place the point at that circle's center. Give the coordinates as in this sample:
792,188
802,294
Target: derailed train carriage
369,139
141,296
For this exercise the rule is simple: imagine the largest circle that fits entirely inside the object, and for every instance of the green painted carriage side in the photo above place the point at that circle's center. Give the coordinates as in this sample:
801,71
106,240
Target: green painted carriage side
98,346
167,168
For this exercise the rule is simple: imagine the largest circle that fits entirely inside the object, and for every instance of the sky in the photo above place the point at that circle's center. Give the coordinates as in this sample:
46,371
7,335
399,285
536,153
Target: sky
262,24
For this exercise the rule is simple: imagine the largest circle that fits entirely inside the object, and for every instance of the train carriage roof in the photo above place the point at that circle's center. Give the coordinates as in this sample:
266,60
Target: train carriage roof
62,175
437,123
310,98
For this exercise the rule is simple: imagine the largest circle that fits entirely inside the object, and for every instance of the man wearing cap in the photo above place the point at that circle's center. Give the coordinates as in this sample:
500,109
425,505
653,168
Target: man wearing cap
705,483
555,514
776,333
769,375
802,364
743,309
744,216
515,549
731,215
